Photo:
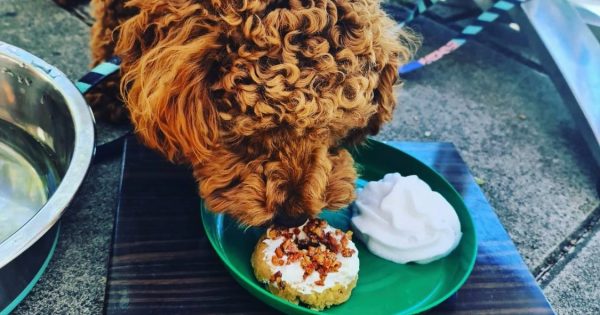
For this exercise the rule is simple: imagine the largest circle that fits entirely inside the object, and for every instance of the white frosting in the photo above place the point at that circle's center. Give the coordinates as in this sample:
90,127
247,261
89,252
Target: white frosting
293,274
401,219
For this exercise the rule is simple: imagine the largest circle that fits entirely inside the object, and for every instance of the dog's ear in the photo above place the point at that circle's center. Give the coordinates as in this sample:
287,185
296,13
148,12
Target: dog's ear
392,46
340,184
167,72
396,47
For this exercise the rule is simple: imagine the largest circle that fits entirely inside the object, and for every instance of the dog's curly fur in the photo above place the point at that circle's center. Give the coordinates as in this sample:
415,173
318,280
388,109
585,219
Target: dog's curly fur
258,96
105,99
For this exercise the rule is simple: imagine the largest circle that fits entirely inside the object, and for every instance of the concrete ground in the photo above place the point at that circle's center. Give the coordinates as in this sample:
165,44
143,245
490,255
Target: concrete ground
489,98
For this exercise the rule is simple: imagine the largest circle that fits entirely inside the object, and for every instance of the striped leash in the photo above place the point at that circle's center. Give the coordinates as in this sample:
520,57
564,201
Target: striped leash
98,74
416,9
487,17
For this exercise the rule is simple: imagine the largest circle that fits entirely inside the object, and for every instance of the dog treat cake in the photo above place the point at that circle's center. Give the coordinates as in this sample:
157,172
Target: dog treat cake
315,263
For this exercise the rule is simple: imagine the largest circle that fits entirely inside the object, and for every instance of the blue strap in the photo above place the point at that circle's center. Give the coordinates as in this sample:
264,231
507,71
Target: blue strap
417,9
499,8
99,73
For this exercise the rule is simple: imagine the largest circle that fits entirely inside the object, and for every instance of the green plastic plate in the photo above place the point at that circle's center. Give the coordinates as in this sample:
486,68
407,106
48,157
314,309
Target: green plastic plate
383,287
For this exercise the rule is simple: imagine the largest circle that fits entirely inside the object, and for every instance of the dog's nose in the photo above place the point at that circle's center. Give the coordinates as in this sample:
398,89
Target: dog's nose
283,219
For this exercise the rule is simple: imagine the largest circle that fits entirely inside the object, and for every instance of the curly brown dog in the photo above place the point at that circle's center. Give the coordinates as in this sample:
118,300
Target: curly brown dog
258,96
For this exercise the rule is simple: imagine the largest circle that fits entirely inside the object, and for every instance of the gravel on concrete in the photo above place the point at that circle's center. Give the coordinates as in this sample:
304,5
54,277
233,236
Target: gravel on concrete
576,290
47,31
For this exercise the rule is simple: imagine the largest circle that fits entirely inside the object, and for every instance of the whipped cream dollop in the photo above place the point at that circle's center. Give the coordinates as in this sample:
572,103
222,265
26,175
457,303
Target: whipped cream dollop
401,219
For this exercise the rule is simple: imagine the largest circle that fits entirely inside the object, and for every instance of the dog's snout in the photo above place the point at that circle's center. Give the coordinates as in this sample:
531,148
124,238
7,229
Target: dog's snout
284,219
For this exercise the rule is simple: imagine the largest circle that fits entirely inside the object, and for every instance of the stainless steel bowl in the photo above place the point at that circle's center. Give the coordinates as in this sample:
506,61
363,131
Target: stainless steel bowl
46,123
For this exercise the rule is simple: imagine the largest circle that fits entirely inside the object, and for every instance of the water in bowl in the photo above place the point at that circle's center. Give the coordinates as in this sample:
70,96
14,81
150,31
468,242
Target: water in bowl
28,176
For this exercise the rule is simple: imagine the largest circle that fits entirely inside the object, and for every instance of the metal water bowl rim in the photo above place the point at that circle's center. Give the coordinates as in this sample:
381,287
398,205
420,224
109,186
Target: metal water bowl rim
83,125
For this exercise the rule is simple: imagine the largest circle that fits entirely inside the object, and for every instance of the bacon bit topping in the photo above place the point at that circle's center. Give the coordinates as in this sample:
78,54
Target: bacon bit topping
348,252
279,252
316,250
276,277
277,261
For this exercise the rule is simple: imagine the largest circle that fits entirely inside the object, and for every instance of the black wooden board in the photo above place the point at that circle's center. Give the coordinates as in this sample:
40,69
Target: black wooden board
162,263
